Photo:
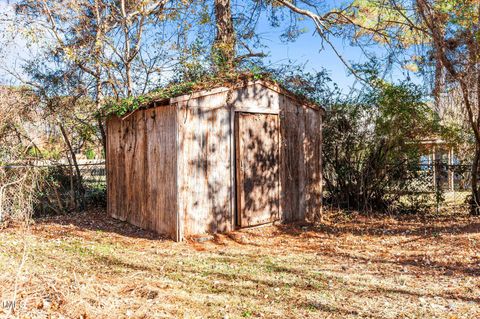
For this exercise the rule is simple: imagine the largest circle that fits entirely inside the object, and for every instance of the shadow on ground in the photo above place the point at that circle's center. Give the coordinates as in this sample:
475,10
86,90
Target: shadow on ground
99,221
411,234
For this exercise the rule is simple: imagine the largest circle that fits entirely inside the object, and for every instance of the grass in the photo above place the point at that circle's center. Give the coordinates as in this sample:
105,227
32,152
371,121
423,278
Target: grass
91,266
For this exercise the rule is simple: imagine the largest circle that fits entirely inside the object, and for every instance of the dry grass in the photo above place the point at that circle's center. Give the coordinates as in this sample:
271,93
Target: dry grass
90,266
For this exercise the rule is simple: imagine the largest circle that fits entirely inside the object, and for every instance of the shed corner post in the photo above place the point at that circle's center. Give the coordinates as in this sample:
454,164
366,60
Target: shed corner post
281,116
233,167
179,223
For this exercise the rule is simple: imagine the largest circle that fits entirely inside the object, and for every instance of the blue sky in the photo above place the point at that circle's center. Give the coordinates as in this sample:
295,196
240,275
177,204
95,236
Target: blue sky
306,50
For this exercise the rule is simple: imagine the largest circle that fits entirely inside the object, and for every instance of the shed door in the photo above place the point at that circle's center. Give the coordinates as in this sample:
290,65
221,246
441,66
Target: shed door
257,164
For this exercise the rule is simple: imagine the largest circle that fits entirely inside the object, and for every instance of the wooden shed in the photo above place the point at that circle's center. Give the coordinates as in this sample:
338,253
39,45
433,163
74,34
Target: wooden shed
216,160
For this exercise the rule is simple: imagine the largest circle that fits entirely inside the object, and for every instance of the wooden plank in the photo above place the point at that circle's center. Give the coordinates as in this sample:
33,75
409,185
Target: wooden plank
282,92
192,170
154,196
121,174
178,225
289,146
262,110
233,172
239,191
300,161
255,98
204,172
129,140
140,171
161,178
284,204
258,166
180,187
313,165
218,169
171,178
293,177
199,95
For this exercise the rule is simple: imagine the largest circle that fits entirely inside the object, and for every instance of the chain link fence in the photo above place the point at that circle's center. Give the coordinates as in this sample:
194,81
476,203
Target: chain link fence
27,190
440,186
441,176
434,187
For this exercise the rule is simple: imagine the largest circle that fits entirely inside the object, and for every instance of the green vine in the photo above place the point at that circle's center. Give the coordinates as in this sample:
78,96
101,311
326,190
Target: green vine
124,106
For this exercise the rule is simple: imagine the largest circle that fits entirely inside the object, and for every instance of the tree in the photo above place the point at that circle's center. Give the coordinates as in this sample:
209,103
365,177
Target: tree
110,41
456,45
224,46
16,140
449,31
444,31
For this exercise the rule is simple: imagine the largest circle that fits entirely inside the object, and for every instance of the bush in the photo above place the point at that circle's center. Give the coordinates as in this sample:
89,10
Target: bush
371,146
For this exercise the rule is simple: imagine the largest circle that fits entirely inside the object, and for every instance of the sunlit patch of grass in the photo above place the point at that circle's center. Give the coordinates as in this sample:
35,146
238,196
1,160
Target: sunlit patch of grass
392,272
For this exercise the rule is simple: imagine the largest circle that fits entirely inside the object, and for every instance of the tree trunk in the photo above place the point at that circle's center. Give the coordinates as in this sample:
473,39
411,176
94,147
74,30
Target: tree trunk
128,75
438,86
225,40
98,105
126,48
80,188
103,135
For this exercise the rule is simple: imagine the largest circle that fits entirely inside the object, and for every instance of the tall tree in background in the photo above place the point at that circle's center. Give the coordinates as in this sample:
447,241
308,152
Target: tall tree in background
446,31
457,47
449,30
118,45
236,40
224,46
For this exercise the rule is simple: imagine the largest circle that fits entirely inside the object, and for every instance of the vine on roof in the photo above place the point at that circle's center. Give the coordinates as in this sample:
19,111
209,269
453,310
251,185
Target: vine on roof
124,106
312,88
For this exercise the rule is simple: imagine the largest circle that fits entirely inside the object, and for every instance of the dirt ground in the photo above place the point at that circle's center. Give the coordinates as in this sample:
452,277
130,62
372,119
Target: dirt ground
91,266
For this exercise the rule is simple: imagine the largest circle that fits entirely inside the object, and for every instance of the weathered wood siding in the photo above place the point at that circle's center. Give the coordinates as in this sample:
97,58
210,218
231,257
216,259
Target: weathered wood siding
313,163
141,164
204,165
293,168
257,159
300,175
172,169
255,98
161,192
114,160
